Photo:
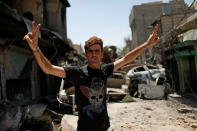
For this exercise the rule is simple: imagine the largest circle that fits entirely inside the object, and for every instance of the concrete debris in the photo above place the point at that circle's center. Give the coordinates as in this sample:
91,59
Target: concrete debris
115,94
184,110
10,116
151,92
31,117
147,108
69,123
194,126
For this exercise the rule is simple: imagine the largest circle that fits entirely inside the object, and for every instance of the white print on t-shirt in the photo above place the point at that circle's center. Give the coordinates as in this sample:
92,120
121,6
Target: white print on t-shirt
95,94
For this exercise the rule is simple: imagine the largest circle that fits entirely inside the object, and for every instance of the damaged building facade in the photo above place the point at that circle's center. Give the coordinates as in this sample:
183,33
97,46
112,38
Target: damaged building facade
142,19
178,52
21,78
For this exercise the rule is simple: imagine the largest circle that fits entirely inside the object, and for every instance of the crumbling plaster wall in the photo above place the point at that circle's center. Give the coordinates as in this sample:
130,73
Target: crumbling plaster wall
55,17
33,6
142,16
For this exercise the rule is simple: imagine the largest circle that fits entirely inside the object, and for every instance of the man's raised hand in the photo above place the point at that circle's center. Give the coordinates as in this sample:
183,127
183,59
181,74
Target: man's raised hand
153,38
32,37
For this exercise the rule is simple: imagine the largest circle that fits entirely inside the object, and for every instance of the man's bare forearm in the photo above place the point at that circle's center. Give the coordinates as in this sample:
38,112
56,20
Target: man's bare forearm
42,61
46,65
130,56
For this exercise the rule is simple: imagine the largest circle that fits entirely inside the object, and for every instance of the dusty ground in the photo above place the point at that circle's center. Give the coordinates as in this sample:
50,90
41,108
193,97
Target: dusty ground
175,114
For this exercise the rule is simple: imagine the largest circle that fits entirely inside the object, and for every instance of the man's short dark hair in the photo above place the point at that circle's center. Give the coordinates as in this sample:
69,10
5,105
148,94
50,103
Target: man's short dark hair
92,41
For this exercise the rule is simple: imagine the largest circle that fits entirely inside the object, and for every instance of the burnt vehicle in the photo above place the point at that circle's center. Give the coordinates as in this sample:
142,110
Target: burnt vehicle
117,86
115,94
144,74
117,79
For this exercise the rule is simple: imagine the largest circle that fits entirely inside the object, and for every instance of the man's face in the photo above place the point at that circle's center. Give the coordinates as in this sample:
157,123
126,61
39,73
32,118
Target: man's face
94,54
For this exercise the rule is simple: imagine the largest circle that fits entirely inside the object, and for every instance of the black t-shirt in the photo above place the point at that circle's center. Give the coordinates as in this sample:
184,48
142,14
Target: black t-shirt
90,95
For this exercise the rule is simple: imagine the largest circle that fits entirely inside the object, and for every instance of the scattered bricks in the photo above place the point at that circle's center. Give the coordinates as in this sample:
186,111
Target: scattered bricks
192,117
194,126
180,118
184,110
185,121
194,110
170,118
147,108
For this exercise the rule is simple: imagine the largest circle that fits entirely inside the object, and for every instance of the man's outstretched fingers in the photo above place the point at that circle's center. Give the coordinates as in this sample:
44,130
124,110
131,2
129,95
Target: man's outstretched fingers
27,38
29,34
156,29
37,30
33,26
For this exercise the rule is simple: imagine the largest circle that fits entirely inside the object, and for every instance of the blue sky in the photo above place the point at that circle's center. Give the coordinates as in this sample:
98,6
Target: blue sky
107,19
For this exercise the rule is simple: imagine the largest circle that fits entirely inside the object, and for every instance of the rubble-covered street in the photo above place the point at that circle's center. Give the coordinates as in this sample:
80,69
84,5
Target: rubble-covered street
154,115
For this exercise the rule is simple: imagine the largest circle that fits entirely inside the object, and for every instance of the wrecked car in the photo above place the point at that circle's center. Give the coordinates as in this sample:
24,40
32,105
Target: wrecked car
117,86
114,94
117,79
144,74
